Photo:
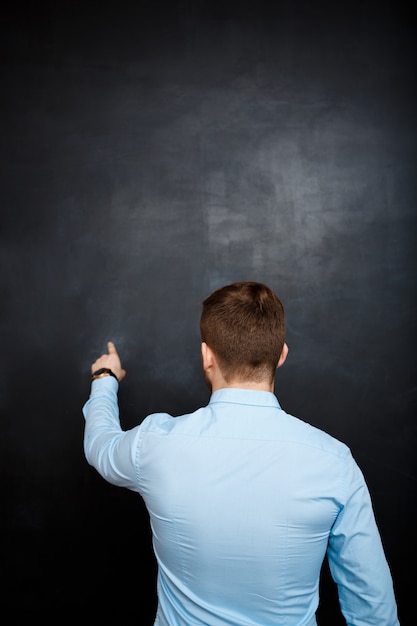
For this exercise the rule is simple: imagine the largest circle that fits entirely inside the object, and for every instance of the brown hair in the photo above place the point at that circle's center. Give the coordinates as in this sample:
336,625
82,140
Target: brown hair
244,324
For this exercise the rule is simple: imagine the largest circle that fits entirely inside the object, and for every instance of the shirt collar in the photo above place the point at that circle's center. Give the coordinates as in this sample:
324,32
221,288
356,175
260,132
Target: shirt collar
245,396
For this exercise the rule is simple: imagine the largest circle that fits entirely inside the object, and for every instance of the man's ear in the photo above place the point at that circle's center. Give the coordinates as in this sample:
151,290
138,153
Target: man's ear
283,356
207,356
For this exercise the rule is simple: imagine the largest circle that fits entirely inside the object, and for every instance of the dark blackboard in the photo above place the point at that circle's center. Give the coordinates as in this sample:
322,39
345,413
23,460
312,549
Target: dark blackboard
150,153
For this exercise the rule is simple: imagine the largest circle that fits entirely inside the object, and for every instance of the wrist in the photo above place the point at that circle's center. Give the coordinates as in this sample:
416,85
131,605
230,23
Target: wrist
102,372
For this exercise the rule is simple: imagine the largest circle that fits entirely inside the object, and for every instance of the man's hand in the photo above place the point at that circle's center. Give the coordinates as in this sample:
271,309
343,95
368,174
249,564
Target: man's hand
111,361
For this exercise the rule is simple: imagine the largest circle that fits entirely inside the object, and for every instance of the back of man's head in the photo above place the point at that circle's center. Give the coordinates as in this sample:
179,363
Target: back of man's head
244,324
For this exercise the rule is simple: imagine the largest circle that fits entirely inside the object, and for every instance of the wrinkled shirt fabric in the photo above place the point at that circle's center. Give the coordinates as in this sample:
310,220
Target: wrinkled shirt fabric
245,501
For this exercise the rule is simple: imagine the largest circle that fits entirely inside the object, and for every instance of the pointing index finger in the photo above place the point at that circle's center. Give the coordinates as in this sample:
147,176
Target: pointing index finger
111,347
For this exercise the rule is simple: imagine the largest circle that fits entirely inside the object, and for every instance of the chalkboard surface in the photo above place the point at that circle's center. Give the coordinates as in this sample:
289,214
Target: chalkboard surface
152,152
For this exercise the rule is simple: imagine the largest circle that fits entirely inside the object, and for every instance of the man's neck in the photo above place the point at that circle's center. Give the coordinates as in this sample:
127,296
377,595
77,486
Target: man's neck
249,385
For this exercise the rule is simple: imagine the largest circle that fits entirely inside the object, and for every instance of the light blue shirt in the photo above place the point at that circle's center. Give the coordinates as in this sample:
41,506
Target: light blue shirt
244,501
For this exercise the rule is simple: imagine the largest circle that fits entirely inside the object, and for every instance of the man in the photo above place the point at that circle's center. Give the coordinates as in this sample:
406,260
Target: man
244,499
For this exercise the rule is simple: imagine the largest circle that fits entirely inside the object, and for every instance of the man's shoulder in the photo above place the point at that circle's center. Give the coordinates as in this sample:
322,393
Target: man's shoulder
308,434
166,422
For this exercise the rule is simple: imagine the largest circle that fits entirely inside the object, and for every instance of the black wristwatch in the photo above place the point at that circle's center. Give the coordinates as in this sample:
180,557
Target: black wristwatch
103,371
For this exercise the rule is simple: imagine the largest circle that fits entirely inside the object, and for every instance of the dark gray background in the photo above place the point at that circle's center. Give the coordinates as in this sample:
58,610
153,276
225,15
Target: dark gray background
150,153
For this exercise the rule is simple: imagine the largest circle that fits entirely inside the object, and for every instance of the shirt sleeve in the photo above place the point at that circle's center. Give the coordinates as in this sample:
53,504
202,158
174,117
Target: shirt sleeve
357,561
110,450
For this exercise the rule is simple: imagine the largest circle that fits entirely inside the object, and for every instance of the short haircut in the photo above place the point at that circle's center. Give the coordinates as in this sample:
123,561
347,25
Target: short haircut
244,324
